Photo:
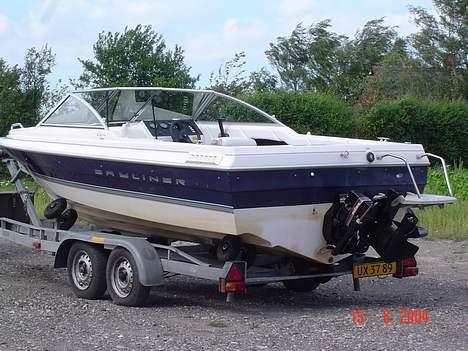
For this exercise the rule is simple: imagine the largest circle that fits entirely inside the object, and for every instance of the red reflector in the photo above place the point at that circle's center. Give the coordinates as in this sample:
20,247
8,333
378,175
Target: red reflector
234,274
235,287
235,279
36,244
410,271
409,262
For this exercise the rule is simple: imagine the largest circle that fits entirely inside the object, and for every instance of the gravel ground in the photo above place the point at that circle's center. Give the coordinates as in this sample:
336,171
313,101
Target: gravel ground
38,311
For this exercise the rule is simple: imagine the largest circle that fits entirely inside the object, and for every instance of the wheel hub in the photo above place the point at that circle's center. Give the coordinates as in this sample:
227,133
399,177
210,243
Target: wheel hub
122,277
226,245
82,271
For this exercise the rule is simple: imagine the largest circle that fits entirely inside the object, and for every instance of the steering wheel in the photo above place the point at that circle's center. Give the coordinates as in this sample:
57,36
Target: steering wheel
180,131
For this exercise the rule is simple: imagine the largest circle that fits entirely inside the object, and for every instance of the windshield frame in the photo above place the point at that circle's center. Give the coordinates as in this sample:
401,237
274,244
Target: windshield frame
146,103
73,95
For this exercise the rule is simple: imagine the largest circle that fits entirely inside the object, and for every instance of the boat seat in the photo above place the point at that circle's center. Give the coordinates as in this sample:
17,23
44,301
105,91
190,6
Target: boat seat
136,130
234,141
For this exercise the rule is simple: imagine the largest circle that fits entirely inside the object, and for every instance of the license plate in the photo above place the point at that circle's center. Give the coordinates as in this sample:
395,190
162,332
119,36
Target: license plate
374,269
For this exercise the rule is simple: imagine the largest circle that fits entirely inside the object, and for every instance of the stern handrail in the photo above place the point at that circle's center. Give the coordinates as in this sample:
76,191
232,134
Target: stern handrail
444,168
407,166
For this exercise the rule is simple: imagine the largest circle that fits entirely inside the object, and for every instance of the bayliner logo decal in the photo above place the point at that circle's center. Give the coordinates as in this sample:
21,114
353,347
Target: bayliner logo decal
139,177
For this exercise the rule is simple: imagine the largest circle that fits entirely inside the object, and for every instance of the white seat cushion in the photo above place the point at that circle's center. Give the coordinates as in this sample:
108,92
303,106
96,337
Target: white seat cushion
234,141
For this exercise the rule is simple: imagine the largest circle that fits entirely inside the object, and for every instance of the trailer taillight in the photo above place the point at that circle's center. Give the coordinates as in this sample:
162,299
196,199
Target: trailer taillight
410,271
234,280
408,268
409,262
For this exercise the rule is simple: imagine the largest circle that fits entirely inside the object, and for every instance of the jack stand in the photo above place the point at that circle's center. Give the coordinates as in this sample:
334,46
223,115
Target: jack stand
230,297
356,284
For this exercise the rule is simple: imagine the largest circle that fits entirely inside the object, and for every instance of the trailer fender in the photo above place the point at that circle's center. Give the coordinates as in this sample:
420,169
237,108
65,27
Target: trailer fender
146,258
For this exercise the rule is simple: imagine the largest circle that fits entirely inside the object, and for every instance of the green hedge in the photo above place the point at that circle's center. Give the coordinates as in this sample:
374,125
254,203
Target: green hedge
307,112
441,126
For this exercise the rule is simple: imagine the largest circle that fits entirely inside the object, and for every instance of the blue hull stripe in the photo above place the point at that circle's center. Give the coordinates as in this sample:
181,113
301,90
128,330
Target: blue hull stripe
235,189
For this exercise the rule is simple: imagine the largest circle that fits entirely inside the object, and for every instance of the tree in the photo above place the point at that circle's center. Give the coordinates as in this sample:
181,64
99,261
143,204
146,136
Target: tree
25,91
360,56
38,65
435,66
263,81
441,46
231,78
136,57
394,77
307,59
10,95
317,59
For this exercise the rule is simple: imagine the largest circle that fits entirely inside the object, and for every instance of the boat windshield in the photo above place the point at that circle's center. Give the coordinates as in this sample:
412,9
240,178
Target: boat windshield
121,105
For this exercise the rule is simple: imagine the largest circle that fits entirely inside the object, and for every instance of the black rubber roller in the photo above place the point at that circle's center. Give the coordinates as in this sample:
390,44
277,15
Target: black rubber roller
228,249
67,219
55,208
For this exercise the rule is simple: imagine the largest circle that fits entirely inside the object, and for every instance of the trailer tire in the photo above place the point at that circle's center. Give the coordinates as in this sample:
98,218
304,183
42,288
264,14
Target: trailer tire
86,265
55,208
247,253
298,267
301,285
122,278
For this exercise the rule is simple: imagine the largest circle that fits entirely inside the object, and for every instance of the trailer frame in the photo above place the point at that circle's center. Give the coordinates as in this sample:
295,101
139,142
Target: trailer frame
153,262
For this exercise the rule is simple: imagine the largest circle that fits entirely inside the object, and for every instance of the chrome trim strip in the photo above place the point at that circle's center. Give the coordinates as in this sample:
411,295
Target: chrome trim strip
71,126
167,199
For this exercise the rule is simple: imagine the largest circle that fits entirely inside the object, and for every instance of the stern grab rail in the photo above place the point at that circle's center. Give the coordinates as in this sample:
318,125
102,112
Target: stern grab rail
444,168
380,157
410,171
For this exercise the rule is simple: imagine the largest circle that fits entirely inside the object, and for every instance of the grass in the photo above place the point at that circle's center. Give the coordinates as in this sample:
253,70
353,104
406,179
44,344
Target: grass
217,324
41,199
450,222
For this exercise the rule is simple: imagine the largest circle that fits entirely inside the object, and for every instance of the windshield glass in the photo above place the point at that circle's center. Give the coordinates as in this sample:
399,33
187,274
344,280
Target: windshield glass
73,112
120,105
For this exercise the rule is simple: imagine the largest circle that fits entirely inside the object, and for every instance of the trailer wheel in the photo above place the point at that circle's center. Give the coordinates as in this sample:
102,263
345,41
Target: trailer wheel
123,281
248,254
87,270
301,285
298,267
55,208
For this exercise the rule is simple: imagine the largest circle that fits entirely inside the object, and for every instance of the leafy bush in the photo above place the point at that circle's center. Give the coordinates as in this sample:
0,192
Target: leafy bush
441,126
458,176
307,112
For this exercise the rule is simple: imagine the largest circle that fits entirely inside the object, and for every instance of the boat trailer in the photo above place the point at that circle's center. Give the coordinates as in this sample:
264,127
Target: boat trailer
127,266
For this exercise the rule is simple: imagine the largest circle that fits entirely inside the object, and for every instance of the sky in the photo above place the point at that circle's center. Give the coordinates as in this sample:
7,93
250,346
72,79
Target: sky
209,31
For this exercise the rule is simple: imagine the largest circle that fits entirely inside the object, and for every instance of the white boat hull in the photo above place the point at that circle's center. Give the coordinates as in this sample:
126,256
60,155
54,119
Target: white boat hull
290,229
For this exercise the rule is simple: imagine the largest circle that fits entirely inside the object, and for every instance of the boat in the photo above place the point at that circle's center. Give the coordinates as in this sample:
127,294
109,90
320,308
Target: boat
202,166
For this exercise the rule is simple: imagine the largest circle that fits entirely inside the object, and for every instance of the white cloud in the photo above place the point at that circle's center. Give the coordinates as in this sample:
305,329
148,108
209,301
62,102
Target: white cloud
235,36
3,23
294,8
402,21
292,12
71,27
